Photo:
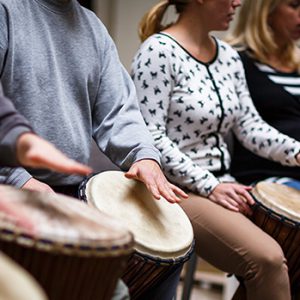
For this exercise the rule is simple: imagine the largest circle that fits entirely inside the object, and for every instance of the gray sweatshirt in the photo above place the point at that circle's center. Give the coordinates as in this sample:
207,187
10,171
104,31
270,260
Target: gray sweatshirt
61,68
12,125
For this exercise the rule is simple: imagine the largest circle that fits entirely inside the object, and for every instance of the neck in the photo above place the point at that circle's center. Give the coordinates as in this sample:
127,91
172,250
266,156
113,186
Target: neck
280,64
280,59
193,37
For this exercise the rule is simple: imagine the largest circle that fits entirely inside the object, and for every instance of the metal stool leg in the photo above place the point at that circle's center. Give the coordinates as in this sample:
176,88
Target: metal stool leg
189,277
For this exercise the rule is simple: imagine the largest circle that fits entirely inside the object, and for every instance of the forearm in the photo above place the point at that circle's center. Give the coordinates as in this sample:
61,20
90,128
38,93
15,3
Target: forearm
183,171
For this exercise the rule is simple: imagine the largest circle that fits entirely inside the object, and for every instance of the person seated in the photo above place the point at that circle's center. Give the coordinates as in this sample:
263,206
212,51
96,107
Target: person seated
266,35
192,92
78,91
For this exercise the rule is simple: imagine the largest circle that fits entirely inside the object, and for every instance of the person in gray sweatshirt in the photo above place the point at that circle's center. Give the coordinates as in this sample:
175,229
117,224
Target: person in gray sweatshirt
61,68
60,58
19,145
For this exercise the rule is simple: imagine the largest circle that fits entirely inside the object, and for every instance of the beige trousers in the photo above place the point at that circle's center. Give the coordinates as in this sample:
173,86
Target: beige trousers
232,243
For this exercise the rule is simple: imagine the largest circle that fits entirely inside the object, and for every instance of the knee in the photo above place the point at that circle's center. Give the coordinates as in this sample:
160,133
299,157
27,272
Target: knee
271,262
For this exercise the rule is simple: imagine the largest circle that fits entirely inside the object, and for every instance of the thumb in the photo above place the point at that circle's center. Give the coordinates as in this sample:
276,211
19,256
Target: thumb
131,174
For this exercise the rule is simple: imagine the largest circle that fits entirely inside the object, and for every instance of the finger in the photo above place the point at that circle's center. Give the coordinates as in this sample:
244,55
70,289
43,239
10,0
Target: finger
70,167
229,206
241,204
170,196
247,197
167,192
130,175
17,217
248,188
154,191
178,191
67,166
244,208
232,202
80,169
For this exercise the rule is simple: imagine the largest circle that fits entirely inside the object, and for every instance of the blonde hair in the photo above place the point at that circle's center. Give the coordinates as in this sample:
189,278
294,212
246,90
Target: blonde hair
152,21
253,32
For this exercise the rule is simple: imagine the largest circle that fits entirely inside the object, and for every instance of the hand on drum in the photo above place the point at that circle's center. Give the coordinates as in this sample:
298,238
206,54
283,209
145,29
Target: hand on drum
149,172
233,196
13,210
34,151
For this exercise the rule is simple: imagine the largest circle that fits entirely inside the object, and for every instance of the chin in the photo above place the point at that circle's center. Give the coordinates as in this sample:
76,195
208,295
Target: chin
223,28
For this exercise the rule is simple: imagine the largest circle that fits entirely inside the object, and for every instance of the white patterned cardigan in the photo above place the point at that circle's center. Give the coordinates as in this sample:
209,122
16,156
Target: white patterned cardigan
190,106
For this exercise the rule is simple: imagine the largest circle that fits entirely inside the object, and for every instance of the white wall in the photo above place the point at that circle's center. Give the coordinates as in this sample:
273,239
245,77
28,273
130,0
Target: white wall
104,9
122,18
127,16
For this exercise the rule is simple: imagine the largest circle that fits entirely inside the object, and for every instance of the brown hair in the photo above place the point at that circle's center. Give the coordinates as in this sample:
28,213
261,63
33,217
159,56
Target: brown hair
151,21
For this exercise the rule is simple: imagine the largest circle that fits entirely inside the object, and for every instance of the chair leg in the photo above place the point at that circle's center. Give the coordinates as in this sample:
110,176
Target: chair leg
230,286
189,277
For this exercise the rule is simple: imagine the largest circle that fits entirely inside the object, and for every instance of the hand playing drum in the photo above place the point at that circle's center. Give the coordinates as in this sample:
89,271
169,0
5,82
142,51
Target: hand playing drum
162,232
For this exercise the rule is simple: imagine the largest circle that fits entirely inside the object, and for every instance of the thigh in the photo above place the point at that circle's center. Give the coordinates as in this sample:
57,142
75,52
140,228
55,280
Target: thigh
227,239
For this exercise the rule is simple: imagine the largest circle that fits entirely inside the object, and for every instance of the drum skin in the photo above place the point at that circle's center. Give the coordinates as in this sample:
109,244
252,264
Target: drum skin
74,251
277,212
162,232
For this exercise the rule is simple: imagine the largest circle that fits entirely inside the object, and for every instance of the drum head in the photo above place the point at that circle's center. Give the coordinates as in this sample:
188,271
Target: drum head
160,228
60,223
280,198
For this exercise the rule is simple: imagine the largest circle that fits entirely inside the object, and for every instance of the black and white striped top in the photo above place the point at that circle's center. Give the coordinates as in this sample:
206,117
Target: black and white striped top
289,81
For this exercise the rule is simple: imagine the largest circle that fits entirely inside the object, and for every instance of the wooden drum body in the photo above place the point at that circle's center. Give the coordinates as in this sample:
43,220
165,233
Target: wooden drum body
75,252
277,212
162,232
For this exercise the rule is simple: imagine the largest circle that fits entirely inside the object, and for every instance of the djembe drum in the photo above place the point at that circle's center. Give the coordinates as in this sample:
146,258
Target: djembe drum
74,252
162,232
277,212
16,283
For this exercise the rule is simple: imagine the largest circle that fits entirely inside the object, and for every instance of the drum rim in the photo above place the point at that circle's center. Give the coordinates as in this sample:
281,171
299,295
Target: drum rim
42,244
167,261
275,215
82,195
10,232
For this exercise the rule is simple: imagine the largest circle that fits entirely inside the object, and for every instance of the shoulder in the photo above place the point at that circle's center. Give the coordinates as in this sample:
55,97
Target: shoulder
157,50
157,44
89,17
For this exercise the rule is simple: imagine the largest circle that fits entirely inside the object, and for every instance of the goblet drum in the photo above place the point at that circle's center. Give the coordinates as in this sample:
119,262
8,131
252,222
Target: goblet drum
74,252
277,212
162,232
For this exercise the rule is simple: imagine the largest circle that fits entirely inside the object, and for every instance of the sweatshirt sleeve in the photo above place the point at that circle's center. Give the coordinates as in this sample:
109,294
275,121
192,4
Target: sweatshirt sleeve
154,77
12,125
118,127
255,134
